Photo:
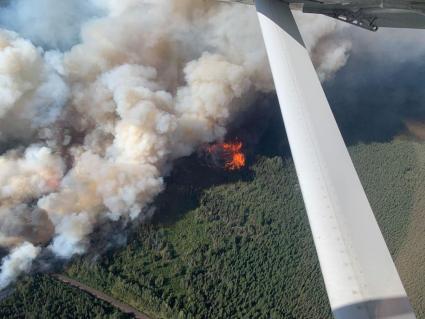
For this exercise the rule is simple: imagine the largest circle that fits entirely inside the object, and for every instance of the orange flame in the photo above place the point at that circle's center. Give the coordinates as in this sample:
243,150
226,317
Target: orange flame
231,153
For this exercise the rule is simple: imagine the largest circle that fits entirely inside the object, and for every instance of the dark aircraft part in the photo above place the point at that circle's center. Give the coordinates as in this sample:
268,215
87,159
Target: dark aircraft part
371,15
355,18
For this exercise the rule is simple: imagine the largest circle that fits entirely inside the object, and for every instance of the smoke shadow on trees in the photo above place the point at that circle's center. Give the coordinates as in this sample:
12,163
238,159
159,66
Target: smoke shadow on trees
372,98
262,132
189,178
368,106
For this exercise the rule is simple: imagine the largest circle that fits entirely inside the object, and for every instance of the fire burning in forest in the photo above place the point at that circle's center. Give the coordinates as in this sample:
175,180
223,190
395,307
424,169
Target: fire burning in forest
94,113
228,155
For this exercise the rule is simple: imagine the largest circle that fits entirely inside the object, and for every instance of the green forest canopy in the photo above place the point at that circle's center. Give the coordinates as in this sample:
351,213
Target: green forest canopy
239,249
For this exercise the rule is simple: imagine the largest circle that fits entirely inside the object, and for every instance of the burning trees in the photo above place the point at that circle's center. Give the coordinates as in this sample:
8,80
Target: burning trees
226,155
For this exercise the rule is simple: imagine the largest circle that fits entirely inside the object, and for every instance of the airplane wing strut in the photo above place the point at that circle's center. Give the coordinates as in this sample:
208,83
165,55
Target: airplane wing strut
359,273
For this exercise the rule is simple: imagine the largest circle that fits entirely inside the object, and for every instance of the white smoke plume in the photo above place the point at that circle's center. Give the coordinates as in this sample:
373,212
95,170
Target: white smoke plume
99,97
31,93
48,23
328,44
19,260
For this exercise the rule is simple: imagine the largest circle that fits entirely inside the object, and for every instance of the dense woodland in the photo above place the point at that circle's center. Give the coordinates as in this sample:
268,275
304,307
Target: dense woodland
244,252
234,245
41,297
393,175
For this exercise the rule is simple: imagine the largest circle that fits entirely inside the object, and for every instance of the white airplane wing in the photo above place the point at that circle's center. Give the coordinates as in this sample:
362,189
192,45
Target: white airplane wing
359,273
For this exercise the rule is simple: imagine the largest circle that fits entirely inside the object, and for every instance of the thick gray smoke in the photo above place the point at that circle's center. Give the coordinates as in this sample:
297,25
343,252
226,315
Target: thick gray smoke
100,97
379,90
328,45
19,260
49,23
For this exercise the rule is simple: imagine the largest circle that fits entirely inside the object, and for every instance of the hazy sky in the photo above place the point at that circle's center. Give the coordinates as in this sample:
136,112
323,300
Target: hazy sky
381,85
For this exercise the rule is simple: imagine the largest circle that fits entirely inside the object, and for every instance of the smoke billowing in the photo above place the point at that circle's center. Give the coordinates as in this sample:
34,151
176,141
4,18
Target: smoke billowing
48,23
19,260
327,42
380,88
97,98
